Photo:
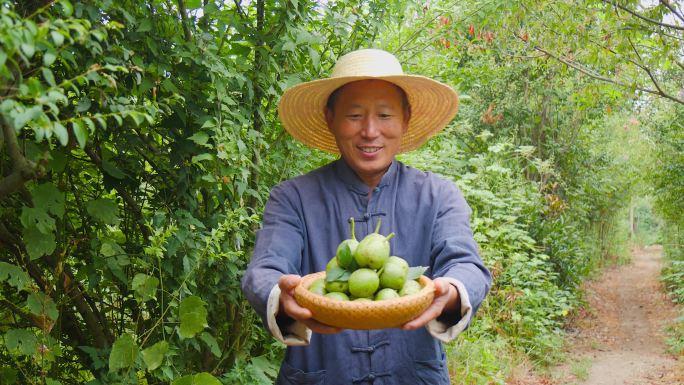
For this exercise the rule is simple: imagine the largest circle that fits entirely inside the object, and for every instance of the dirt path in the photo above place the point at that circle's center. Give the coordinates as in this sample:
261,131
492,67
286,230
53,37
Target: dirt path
619,337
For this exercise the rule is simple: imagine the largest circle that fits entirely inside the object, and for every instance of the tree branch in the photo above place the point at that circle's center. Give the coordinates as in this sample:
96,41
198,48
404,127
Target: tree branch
648,70
609,80
240,11
95,322
22,168
672,9
137,212
19,311
95,326
652,21
184,20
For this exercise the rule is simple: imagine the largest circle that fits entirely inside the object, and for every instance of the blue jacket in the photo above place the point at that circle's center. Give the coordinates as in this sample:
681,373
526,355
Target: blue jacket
304,221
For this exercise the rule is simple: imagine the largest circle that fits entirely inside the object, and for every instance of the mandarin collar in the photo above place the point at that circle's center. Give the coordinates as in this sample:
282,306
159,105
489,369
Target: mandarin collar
349,177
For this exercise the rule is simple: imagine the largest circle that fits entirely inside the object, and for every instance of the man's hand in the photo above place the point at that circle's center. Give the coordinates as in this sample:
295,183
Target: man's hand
290,307
446,301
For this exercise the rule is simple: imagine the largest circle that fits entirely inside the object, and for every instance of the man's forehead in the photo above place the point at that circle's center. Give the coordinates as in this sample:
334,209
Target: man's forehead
366,87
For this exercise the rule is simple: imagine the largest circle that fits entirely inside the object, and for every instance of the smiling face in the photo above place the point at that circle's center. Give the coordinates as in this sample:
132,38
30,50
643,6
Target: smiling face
368,119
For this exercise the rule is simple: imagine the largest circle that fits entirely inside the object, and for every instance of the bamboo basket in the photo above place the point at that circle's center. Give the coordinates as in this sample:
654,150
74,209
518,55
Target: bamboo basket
364,315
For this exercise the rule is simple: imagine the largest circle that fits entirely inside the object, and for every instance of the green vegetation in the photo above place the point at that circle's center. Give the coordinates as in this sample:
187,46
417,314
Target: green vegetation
668,185
140,140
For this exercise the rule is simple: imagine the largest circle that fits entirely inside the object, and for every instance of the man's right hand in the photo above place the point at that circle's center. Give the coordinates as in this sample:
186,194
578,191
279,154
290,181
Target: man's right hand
291,308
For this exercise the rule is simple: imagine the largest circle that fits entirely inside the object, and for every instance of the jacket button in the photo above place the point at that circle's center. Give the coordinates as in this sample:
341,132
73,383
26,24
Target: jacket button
371,377
366,215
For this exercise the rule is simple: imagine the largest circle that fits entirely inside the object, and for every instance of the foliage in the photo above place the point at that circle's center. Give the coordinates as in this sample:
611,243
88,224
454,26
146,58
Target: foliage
137,163
539,152
528,301
668,181
140,140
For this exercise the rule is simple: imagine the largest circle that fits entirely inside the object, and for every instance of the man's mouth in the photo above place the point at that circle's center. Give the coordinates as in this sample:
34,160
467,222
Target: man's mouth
369,149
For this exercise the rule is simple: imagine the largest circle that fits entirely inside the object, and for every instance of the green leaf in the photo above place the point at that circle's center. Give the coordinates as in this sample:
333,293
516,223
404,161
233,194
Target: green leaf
38,243
289,46
123,354
145,26
37,217
111,169
57,38
334,274
110,248
49,57
200,138
83,104
80,132
22,118
28,49
264,369
144,286
415,272
49,77
48,197
344,254
315,57
201,157
41,304
185,380
67,8
14,275
191,4
167,85
193,316
203,378
137,117
8,375
211,343
61,133
50,381
104,210
154,355
21,340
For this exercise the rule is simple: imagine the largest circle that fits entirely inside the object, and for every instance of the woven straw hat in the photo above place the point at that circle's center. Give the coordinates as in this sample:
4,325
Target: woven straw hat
302,107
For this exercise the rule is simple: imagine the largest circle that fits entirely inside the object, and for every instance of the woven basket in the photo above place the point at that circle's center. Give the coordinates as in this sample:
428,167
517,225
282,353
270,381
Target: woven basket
364,315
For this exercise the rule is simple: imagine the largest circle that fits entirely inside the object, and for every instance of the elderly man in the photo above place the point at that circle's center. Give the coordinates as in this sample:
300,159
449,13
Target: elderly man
367,111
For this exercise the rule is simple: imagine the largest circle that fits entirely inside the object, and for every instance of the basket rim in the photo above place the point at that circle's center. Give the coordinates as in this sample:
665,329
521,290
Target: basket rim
302,289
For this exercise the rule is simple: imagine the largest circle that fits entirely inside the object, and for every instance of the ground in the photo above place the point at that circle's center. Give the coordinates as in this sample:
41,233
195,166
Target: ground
619,337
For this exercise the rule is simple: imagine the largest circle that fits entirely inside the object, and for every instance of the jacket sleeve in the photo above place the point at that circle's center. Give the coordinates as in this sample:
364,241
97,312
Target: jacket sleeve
455,257
277,251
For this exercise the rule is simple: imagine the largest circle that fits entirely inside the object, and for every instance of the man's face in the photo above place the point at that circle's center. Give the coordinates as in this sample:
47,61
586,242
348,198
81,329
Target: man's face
368,123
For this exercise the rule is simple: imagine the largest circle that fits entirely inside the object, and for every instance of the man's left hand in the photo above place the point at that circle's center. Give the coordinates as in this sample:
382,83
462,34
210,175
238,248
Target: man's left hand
446,301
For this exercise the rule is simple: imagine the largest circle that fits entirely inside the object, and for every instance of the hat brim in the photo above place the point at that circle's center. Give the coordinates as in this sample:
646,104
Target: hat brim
302,109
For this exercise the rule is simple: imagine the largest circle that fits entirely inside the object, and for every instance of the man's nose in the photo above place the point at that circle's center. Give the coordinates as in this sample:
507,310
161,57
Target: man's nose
371,127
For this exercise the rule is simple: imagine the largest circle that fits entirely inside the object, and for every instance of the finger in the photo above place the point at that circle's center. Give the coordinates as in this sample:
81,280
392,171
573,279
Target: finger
434,310
288,282
292,308
289,305
441,287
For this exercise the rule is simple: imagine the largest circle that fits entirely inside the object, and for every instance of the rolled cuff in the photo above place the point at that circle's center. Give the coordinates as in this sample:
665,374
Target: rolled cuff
445,331
295,333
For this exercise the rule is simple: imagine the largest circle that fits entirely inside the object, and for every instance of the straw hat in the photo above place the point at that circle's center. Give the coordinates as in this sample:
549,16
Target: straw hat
302,107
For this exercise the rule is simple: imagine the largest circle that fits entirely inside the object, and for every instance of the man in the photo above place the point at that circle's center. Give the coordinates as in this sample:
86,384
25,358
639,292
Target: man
368,111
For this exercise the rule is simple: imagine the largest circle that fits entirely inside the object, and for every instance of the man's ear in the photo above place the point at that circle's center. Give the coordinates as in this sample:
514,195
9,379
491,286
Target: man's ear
407,118
329,116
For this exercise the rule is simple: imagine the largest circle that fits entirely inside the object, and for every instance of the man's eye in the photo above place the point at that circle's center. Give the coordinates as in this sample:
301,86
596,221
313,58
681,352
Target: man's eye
385,116
354,116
